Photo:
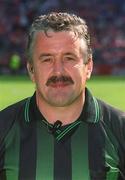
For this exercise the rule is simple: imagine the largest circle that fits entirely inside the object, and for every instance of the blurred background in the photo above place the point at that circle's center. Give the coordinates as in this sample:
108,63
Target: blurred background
106,21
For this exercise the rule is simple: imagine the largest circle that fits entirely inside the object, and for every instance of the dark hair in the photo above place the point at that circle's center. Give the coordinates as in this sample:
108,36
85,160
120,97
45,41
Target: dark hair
59,22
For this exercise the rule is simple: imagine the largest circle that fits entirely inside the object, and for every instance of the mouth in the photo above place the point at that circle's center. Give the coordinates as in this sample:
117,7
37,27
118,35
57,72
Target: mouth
59,84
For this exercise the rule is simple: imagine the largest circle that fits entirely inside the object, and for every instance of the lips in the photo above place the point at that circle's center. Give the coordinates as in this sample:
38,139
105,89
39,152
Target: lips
59,84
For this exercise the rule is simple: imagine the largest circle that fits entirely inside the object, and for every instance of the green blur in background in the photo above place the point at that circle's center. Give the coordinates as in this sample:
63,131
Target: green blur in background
109,89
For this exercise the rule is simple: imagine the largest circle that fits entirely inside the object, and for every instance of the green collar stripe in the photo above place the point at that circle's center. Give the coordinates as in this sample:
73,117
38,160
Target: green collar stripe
96,110
50,125
61,135
47,123
26,111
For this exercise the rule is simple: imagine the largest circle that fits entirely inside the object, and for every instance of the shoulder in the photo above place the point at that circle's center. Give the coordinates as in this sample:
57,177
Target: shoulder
10,111
9,115
110,112
113,120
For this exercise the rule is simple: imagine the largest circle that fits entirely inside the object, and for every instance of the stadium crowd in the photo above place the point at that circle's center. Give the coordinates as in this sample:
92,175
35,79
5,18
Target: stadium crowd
106,19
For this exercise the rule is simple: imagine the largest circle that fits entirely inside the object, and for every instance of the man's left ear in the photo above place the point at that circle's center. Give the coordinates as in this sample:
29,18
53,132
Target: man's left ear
30,71
89,68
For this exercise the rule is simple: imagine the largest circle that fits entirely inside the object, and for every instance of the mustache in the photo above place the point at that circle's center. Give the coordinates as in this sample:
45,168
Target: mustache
56,79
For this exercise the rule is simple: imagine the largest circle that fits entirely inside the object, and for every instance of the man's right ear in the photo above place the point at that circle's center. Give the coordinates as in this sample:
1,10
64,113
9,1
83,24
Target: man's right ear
30,71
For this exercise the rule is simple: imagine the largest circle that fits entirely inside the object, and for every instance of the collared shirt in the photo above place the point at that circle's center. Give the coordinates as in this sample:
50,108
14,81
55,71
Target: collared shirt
91,148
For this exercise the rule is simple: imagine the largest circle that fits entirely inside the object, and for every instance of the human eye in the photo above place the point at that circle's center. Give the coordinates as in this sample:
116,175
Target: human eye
46,59
69,58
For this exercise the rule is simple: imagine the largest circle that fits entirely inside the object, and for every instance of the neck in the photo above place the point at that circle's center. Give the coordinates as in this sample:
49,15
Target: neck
66,114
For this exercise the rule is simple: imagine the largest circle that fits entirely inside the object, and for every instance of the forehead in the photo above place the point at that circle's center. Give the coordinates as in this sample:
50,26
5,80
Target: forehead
62,39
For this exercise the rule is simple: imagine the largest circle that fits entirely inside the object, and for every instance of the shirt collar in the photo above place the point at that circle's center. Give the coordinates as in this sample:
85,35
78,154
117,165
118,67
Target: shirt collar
91,108
91,112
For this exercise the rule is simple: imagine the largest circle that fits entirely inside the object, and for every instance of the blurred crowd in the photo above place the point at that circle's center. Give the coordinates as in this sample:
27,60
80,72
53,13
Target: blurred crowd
106,20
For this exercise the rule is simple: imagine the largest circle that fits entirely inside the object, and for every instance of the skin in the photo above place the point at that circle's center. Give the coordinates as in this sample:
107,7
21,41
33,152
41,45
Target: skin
62,54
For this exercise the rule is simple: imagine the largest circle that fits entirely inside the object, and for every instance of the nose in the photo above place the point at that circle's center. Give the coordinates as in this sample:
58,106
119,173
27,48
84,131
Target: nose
58,67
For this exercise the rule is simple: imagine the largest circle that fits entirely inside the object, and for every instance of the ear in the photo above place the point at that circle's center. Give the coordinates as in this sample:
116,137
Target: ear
89,68
30,71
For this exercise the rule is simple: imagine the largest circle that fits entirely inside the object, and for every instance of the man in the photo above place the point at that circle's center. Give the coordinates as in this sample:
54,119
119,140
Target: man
62,132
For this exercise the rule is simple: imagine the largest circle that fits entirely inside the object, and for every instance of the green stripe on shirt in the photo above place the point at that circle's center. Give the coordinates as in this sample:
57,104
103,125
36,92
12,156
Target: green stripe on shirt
45,153
80,169
12,146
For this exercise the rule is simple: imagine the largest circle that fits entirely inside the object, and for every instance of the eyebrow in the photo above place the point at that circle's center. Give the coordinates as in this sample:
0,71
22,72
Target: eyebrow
45,54
70,54
48,54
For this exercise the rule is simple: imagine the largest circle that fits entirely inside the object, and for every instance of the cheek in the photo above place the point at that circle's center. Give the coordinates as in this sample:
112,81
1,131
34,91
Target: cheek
76,73
79,70
80,74
42,77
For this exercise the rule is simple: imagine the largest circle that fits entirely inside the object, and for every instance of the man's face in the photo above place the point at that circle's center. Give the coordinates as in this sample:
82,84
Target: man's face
59,71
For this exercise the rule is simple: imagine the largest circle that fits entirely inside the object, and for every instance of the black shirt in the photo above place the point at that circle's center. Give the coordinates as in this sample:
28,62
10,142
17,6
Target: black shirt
91,148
